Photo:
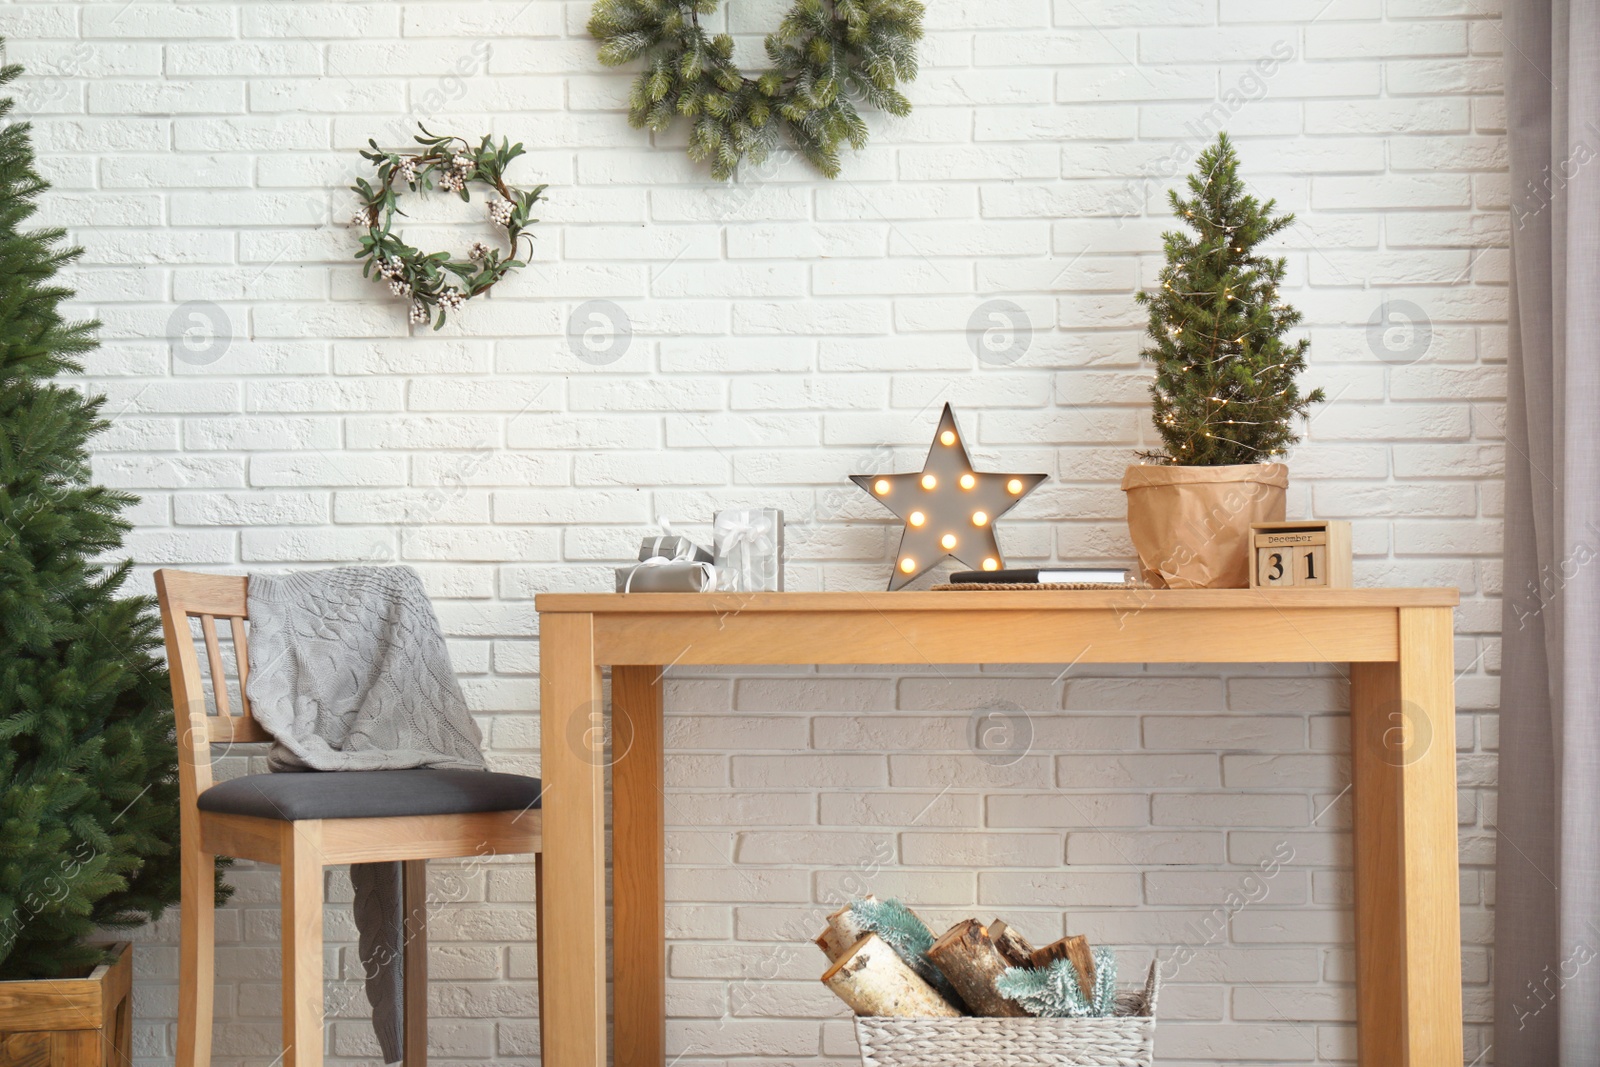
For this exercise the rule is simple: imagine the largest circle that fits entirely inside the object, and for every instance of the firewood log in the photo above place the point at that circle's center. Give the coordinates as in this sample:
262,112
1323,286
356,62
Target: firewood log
1012,945
841,935
967,957
873,979
1076,949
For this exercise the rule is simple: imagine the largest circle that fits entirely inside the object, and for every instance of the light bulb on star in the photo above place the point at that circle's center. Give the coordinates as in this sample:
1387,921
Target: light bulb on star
949,509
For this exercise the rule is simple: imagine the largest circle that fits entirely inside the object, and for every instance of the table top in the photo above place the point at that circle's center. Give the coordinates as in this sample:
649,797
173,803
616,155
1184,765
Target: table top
994,600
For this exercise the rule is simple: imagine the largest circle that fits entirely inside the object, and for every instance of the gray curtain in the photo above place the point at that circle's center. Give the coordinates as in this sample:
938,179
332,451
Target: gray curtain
1547,903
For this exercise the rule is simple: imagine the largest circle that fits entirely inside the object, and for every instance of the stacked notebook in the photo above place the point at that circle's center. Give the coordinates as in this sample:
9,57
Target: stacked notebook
1043,576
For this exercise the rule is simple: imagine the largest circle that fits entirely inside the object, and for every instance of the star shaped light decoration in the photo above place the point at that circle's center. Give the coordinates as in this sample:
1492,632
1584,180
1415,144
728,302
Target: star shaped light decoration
949,509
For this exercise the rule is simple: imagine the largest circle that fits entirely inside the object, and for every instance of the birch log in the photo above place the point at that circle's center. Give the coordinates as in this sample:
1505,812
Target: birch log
873,979
841,935
967,957
1076,949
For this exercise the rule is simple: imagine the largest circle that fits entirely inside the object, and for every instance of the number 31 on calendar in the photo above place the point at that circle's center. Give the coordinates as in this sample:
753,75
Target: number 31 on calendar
1313,553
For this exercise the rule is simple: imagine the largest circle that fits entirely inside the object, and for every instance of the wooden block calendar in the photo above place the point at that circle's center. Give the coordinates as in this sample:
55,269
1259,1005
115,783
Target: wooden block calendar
1311,553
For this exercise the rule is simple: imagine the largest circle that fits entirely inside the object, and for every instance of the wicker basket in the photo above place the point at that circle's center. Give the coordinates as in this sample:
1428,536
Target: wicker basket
1126,1039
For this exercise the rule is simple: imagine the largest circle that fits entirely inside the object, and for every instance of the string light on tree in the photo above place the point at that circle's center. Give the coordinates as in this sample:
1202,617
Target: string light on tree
949,509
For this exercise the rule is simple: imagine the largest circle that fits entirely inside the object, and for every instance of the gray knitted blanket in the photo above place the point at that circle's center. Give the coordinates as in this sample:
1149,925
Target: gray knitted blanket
349,672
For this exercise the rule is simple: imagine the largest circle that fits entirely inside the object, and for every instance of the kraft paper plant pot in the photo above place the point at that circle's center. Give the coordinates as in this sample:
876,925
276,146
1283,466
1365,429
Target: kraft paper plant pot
1191,525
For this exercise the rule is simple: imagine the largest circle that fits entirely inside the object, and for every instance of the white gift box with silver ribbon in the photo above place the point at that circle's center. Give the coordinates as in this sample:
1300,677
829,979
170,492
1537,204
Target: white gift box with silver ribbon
748,543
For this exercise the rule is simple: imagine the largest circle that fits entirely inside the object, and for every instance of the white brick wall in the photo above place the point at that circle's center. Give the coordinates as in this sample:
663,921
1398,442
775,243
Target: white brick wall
781,330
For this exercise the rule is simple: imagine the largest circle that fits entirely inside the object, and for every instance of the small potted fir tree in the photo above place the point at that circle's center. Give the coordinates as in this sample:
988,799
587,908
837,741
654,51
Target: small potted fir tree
1225,397
88,767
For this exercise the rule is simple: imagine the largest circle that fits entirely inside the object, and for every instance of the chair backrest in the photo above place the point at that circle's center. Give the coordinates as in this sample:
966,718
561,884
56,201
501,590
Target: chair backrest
184,595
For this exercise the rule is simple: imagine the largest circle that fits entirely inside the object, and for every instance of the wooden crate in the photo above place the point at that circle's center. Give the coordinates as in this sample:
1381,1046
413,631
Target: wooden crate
1311,553
70,1022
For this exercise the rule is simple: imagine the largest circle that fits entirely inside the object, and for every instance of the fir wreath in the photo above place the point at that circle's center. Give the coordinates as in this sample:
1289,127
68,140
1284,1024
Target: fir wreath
452,164
823,54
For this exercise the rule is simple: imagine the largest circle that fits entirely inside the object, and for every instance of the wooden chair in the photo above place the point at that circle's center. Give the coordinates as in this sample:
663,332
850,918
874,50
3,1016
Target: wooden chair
302,831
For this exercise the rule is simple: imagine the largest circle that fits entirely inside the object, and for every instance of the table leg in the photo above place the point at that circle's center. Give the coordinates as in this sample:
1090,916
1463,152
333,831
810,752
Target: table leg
1403,774
638,864
414,962
572,762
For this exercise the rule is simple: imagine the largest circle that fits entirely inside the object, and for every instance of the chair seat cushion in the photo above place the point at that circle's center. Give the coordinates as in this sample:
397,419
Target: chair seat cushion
296,796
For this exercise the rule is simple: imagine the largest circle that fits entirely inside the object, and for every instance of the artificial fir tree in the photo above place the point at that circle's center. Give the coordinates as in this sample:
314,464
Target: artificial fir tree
1225,389
88,789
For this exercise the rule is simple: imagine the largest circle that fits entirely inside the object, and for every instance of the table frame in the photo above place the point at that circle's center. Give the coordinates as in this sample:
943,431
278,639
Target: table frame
1398,642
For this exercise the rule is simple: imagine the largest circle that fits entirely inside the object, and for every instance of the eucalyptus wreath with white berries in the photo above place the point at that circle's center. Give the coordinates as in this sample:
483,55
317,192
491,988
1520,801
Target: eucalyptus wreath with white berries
433,282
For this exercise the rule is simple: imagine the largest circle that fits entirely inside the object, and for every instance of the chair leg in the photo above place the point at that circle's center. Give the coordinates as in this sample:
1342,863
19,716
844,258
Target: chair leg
197,941
302,944
415,962
538,938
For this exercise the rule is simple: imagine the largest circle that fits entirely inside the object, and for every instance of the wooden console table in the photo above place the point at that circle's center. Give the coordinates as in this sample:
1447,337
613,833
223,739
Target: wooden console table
1398,643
